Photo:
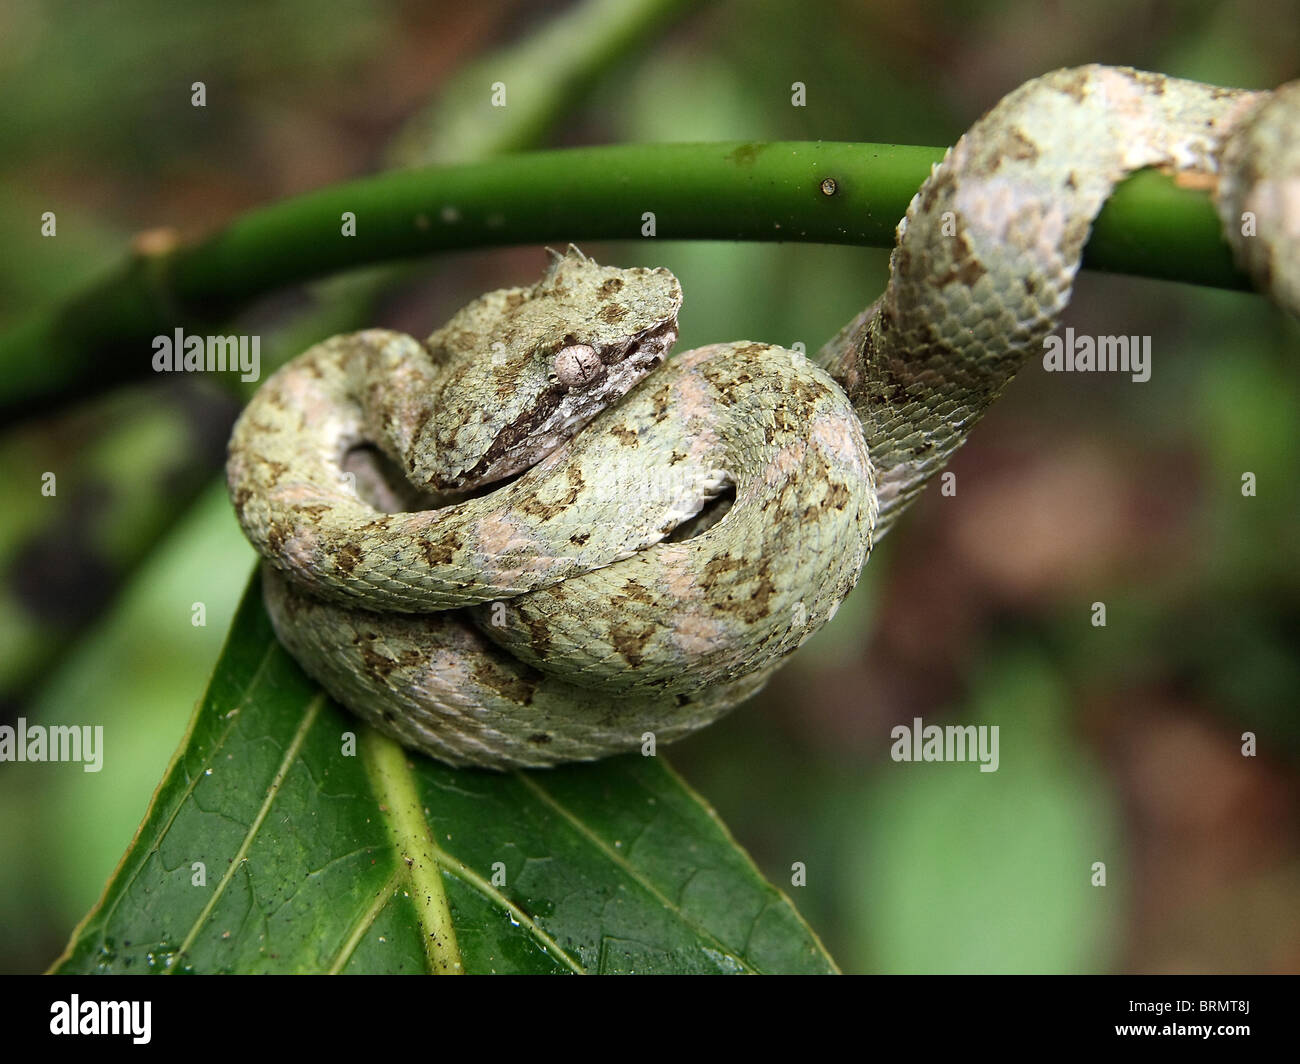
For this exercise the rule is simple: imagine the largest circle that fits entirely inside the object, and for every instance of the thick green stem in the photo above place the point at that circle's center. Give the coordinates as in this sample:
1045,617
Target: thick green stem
775,191
129,514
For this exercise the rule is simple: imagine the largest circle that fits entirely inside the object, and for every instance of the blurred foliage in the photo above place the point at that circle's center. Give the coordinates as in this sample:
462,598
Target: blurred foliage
1009,895
1118,744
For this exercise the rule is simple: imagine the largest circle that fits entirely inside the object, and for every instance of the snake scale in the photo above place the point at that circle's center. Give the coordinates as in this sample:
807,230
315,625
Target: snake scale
676,527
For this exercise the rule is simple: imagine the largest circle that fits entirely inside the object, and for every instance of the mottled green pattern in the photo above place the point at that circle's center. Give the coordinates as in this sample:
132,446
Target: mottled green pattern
613,635
989,248
308,868
612,632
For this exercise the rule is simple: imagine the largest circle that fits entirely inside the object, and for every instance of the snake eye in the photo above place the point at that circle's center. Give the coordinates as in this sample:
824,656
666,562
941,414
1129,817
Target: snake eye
577,365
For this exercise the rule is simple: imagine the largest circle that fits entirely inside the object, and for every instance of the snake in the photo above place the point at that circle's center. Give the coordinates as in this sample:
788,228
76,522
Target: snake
535,538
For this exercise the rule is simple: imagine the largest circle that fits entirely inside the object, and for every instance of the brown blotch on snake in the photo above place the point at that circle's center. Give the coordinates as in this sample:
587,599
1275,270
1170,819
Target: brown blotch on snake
613,628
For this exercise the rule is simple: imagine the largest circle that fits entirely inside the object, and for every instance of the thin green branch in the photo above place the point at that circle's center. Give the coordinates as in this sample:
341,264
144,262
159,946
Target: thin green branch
592,38
734,191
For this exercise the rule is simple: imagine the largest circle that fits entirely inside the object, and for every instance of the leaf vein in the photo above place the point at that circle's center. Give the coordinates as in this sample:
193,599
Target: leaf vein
184,794
364,923
290,755
413,846
631,872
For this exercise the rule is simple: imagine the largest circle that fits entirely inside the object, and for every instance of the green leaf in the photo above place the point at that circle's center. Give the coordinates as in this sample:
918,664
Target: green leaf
268,849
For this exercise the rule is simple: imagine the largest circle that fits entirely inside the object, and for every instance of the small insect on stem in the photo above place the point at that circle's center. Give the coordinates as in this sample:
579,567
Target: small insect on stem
576,365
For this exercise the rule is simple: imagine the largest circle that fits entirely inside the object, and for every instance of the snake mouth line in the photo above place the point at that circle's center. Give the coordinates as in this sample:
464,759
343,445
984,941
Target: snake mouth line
654,342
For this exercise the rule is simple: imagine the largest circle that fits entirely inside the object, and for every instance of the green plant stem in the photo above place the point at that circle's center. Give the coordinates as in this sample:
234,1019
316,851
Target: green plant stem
129,513
594,37
695,191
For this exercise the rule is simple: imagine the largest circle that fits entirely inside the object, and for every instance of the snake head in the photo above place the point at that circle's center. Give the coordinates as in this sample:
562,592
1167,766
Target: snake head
523,369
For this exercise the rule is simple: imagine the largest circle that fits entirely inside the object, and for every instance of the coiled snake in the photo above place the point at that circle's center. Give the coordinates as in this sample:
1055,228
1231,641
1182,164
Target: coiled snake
584,604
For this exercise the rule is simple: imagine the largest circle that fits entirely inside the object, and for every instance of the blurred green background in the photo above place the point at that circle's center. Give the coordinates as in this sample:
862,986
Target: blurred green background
1119,744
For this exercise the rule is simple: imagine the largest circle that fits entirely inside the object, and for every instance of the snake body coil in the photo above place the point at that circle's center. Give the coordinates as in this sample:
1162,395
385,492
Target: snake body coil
599,597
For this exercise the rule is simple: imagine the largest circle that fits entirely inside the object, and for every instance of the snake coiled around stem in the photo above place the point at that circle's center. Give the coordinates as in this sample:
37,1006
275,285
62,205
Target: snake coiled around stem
677,527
